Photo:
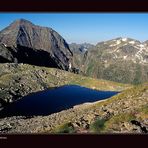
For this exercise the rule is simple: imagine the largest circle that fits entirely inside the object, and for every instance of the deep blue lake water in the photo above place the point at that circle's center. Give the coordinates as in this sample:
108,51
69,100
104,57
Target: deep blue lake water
54,100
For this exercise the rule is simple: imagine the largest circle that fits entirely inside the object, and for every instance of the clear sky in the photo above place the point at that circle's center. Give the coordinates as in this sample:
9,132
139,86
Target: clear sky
87,27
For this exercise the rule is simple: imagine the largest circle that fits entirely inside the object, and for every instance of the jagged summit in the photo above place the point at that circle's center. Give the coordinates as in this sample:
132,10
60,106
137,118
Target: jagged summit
23,33
21,21
121,40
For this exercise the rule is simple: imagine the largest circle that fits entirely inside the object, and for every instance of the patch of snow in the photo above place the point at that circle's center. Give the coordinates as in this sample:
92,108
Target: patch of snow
141,45
118,42
124,57
69,65
124,39
144,61
4,44
85,49
132,42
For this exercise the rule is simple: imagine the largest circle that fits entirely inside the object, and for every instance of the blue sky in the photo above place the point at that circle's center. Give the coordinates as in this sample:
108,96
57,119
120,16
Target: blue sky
87,27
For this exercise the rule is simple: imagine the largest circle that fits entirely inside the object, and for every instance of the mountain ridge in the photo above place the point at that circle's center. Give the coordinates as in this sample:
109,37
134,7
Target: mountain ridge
122,60
24,34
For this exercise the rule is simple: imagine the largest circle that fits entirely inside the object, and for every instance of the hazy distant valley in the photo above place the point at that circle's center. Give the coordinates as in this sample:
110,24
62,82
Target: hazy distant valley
35,59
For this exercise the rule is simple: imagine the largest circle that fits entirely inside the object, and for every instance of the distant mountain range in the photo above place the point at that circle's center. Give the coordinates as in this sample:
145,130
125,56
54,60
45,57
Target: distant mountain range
122,59
78,52
80,48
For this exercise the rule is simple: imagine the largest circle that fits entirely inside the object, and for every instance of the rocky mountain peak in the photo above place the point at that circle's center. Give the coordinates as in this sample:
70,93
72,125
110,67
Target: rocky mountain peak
26,38
21,21
124,49
25,33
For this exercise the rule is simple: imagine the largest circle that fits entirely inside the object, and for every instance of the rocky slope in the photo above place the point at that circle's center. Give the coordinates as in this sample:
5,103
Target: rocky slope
126,112
78,53
17,80
24,42
122,60
80,48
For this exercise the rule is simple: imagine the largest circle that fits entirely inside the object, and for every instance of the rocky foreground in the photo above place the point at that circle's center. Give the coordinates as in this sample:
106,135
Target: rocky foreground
126,112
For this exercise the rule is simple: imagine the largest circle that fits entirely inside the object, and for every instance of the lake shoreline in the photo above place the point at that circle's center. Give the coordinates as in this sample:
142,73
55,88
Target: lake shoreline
55,100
